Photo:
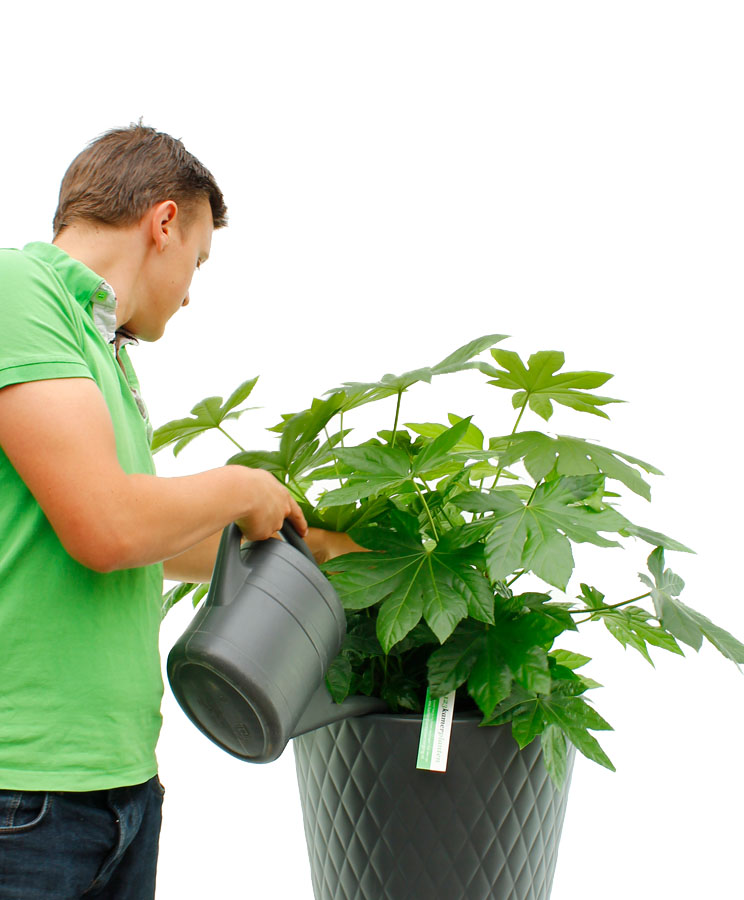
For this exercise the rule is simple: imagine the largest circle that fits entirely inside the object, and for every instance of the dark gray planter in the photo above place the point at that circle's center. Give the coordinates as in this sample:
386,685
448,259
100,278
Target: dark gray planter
379,829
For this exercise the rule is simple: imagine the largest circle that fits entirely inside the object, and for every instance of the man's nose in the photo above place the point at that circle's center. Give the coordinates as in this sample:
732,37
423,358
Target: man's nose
185,301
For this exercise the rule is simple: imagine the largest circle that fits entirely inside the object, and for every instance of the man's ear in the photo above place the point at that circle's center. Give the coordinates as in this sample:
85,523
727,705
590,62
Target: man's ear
162,220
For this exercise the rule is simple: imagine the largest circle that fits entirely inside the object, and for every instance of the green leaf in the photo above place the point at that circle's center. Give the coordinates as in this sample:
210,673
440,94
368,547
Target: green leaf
724,642
553,743
374,459
206,415
338,678
400,612
444,602
567,683
686,624
527,724
199,594
473,438
356,489
460,359
653,537
574,456
401,692
356,393
462,536
672,614
535,535
171,597
258,459
375,468
240,394
490,678
364,579
533,672
477,592
438,451
451,664
412,581
553,616
570,660
630,626
575,717
506,541
538,385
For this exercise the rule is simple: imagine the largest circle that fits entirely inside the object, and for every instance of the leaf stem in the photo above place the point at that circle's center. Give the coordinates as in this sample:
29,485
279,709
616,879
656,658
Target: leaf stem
300,494
443,509
395,423
335,458
220,428
513,432
428,511
608,608
518,575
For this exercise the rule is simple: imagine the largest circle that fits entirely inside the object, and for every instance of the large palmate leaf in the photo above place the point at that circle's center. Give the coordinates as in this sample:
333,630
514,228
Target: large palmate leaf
574,456
537,385
206,415
632,626
493,657
535,535
531,713
374,468
687,625
411,582
300,450
357,393
306,425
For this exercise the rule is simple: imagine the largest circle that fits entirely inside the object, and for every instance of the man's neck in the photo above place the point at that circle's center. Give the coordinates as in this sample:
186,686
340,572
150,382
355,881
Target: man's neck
113,253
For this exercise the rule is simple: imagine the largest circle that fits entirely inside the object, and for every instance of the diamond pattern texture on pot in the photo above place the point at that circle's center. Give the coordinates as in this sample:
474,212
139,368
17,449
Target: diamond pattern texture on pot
379,829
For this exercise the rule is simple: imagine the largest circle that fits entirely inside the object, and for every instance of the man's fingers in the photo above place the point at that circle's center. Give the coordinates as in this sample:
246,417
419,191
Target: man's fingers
297,518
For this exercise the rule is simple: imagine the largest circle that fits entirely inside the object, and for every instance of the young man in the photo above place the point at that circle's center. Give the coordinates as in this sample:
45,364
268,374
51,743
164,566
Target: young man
86,527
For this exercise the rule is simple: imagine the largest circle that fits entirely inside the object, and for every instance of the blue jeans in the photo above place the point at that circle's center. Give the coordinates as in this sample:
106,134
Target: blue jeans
72,845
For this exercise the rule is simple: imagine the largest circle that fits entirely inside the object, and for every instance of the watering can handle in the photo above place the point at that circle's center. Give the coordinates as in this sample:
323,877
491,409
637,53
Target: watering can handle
289,534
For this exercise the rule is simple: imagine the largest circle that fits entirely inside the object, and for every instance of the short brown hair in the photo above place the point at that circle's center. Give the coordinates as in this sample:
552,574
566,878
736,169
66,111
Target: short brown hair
124,172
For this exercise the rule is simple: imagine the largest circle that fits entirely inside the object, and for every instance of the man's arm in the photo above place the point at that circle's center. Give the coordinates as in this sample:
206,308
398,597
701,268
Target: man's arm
59,437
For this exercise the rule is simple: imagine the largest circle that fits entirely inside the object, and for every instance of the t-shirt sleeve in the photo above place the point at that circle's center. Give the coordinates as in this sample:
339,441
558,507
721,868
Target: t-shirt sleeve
40,335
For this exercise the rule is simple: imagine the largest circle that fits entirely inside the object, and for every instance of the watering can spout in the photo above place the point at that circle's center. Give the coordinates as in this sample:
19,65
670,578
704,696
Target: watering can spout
323,710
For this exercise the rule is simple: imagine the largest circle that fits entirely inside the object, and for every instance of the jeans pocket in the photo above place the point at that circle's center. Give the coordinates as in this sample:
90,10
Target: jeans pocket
158,785
22,810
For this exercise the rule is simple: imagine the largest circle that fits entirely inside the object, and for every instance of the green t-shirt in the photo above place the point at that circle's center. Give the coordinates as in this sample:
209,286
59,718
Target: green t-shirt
80,680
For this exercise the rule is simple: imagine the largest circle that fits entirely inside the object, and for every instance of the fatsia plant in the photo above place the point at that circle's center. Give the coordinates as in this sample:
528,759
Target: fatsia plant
451,520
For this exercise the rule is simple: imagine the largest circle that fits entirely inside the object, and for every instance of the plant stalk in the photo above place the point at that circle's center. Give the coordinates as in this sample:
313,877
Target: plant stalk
220,428
335,458
513,432
428,511
397,414
608,608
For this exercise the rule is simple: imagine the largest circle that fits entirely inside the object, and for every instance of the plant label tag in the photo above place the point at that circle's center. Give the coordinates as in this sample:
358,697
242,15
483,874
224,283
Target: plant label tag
436,727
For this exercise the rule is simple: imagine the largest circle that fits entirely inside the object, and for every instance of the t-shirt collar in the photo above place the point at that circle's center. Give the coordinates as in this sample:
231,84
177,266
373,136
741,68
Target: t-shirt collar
89,289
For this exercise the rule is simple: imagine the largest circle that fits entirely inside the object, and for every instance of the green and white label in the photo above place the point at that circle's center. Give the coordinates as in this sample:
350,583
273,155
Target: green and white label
436,727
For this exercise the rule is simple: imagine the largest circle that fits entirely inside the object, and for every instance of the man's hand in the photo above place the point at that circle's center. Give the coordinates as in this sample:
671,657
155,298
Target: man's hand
327,545
271,503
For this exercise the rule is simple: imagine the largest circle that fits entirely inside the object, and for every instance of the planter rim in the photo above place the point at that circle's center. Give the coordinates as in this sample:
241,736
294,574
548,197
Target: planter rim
465,716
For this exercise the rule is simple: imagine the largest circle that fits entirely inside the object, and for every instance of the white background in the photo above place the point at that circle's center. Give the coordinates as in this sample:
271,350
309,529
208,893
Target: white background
403,177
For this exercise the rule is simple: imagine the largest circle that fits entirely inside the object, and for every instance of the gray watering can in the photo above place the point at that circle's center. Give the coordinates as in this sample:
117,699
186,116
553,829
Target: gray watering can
249,671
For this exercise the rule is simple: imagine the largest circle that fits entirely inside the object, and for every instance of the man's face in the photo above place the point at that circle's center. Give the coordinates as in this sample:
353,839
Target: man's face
165,283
